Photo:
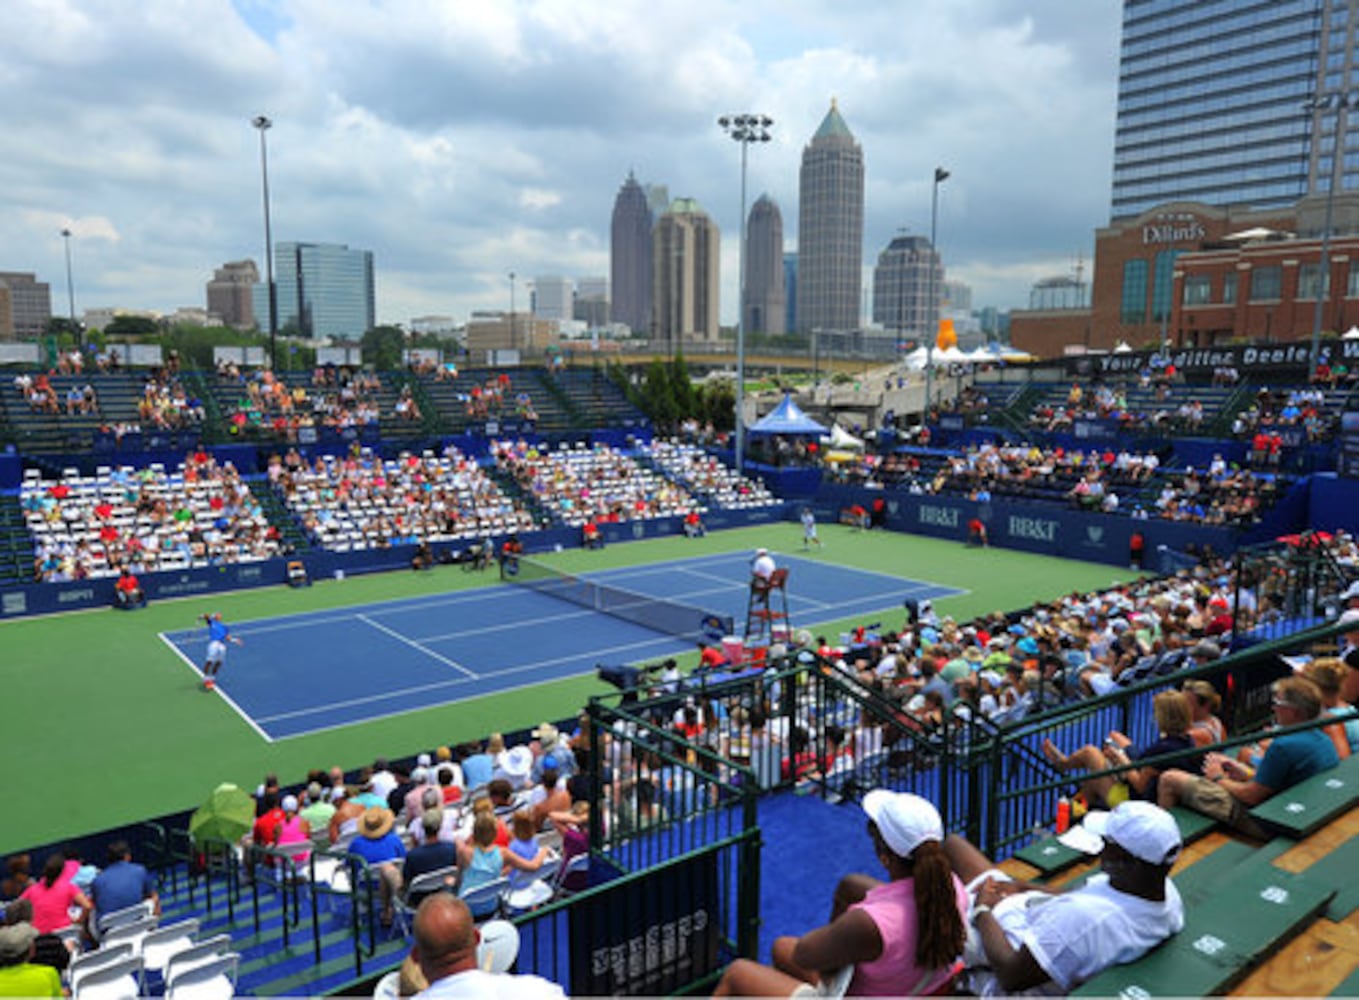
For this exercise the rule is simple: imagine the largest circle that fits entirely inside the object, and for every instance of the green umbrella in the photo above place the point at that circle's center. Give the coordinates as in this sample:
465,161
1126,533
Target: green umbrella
228,815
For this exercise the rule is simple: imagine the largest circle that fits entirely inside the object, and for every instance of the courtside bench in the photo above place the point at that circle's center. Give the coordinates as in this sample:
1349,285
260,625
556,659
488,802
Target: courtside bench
1309,805
1250,912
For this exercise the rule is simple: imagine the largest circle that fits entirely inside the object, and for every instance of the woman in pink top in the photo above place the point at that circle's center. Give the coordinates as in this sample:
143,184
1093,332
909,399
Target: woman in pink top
293,830
902,937
53,895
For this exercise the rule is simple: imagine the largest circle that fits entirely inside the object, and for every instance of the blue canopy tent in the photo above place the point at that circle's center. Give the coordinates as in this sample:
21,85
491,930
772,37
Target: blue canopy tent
786,418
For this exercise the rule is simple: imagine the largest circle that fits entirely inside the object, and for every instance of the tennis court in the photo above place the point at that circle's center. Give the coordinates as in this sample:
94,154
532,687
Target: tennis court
306,673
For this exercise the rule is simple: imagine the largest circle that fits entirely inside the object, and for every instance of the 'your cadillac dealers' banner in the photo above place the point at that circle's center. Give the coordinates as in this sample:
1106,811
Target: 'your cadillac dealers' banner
1244,358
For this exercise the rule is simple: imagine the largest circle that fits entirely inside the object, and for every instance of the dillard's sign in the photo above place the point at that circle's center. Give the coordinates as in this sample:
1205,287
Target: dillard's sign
1243,358
1180,231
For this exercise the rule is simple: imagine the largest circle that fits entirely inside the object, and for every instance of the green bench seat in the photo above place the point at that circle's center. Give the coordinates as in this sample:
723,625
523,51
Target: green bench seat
1051,856
1309,805
1250,912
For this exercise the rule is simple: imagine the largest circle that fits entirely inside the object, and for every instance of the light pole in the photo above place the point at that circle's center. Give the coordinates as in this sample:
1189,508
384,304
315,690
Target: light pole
940,175
264,124
70,288
745,129
1339,103
513,325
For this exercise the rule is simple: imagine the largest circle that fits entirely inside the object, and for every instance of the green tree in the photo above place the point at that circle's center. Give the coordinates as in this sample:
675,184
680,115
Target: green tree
383,347
682,388
132,326
657,398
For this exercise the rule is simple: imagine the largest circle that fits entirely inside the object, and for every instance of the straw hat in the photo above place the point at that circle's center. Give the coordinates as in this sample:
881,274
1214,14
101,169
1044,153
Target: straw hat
376,823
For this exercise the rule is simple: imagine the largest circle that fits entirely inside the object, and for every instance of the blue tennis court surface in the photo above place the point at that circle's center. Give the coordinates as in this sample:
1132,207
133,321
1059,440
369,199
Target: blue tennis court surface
304,673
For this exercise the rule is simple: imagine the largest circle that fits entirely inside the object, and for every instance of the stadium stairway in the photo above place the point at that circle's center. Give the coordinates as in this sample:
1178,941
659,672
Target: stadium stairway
16,544
268,966
278,514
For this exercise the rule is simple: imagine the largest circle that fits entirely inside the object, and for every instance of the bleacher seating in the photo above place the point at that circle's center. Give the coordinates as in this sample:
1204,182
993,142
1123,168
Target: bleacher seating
706,477
90,526
577,484
352,504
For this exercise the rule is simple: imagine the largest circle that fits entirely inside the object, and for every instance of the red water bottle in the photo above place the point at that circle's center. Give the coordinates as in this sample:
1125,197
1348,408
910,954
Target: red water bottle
1063,815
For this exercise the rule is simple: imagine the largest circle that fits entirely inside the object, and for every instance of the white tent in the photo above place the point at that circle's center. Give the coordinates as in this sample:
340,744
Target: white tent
1122,347
842,440
1351,334
983,356
917,359
950,356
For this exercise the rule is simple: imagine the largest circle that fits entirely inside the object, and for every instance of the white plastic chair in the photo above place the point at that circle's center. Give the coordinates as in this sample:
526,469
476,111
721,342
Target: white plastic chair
195,955
537,892
119,980
439,880
116,918
90,961
485,900
214,979
158,945
134,933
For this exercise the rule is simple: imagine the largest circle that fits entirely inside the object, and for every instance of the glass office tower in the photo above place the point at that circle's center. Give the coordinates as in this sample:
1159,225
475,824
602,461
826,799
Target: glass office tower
1213,102
323,289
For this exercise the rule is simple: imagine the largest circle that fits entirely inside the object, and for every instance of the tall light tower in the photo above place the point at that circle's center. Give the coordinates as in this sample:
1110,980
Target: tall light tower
745,129
940,175
513,324
70,289
264,124
1317,106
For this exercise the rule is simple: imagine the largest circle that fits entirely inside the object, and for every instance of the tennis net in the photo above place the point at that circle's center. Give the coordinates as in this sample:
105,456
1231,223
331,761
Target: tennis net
671,617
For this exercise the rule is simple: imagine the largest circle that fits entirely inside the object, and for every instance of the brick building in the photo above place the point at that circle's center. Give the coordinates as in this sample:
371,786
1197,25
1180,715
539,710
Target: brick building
1169,271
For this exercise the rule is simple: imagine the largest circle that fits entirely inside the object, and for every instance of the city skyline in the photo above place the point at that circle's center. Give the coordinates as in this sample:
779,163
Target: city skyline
159,182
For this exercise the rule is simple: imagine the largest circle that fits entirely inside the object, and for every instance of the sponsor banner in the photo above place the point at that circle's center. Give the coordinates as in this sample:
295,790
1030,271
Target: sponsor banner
1244,358
1044,528
648,936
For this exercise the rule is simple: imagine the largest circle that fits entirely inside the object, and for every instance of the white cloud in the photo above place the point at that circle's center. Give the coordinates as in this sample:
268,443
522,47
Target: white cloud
462,140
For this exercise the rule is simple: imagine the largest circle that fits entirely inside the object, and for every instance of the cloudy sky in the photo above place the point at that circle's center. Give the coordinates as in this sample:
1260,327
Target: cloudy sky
463,139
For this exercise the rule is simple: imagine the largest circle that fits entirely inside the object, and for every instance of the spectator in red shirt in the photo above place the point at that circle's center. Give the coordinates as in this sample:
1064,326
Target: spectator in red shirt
590,535
128,590
265,830
710,657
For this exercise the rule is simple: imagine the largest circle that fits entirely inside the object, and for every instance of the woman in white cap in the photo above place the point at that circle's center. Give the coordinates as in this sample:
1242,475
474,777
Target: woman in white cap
903,937
293,830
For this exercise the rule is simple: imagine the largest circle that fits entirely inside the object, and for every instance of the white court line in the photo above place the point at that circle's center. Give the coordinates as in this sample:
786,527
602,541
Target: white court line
224,696
308,618
417,689
539,620
415,645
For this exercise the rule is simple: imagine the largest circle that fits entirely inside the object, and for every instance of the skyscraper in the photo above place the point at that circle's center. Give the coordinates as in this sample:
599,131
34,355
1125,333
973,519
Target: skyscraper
901,287
1210,102
790,290
630,270
25,304
323,290
552,297
766,300
231,293
686,252
830,228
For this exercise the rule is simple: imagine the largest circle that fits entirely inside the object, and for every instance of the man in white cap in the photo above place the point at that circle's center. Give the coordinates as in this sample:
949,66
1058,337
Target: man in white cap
1022,940
762,566
1349,654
